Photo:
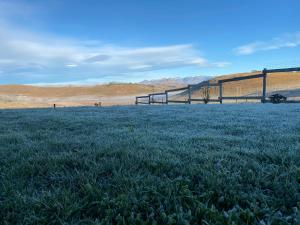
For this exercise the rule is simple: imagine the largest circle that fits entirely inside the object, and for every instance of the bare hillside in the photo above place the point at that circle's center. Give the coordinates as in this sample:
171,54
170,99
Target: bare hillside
287,84
108,90
25,96
283,81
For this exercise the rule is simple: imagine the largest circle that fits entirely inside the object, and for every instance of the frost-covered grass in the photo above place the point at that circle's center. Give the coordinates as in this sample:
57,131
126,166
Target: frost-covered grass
190,164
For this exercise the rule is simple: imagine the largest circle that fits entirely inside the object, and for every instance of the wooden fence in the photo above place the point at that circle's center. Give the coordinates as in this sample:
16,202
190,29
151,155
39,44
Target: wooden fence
184,89
206,84
152,99
138,98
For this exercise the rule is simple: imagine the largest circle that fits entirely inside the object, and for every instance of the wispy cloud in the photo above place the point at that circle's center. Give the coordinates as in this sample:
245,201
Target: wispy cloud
25,54
285,41
30,56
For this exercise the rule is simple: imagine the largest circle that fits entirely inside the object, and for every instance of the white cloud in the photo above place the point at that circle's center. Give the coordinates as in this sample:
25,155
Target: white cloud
221,64
71,65
285,41
36,57
25,53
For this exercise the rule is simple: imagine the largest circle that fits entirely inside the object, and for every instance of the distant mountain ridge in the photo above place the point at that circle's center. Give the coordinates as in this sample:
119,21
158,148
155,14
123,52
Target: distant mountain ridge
26,96
177,81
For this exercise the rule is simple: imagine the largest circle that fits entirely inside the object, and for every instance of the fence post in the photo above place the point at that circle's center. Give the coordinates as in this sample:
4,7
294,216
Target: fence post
149,99
136,100
220,92
208,92
189,91
264,86
167,99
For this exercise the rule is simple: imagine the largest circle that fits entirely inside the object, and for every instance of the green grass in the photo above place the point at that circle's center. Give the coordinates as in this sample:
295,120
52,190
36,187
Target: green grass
191,164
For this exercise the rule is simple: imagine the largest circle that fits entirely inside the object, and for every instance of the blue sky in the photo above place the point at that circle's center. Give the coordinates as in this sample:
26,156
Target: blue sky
95,41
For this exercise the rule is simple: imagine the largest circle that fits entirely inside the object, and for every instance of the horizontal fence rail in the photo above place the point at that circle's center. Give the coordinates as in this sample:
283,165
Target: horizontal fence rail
214,85
188,89
206,84
146,96
161,93
203,100
178,101
295,69
177,89
241,97
152,99
137,100
241,78
200,85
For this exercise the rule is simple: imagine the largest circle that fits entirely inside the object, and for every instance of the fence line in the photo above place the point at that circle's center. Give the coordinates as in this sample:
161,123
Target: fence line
153,101
205,85
188,89
142,97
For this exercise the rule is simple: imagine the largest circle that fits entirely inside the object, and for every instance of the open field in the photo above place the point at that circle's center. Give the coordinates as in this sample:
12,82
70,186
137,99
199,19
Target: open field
209,164
24,96
275,82
7,101
285,83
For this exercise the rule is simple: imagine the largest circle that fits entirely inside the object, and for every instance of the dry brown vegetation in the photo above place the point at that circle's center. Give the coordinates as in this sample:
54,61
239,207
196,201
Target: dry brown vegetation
108,90
26,96
280,81
288,83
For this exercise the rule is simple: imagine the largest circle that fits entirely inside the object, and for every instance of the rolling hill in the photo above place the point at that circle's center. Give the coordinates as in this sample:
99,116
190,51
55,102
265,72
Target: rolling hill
26,96
287,83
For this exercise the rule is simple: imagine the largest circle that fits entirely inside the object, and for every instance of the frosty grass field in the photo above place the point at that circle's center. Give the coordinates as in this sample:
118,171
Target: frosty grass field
188,164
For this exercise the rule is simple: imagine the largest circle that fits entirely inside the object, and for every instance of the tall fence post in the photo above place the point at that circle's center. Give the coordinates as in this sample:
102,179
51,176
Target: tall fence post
136,100
149,99
190,94
220,92
167,98
264,86
208,92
